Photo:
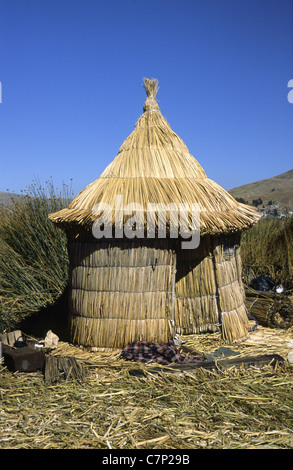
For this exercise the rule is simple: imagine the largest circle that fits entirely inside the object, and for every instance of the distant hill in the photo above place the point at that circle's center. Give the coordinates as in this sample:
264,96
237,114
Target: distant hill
275,190
6,197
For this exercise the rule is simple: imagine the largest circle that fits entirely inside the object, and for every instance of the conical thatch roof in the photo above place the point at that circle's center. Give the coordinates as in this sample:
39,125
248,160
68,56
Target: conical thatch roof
154,165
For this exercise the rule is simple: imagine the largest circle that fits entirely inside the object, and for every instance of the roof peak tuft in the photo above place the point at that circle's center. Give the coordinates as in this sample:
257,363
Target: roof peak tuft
151,86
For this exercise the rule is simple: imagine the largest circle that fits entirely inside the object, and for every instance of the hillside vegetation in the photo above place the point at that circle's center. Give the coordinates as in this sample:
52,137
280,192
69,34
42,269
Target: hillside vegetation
271,191
7,198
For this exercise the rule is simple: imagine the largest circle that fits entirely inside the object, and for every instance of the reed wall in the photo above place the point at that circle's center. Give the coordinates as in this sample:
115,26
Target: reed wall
209,289
127,290
120,291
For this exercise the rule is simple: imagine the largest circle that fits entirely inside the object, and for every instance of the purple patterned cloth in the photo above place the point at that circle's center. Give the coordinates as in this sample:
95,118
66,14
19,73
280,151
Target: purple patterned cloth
146,351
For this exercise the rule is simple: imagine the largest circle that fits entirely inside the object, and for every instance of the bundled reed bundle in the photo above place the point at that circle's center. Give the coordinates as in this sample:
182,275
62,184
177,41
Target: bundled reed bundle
270,309
142,287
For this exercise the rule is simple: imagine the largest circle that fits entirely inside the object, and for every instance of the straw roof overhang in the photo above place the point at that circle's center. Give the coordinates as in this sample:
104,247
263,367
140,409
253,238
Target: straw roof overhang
154,165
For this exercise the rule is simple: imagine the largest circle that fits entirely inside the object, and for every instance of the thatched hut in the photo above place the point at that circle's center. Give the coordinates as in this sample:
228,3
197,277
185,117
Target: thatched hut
130,277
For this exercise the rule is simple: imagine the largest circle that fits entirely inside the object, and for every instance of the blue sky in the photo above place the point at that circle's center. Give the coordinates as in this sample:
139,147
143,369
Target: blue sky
71,73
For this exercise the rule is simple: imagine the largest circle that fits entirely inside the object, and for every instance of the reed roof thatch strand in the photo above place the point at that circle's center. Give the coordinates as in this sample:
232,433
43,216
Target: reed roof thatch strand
154,165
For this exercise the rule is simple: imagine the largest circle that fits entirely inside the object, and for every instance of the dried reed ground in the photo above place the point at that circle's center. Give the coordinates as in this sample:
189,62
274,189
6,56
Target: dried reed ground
110,409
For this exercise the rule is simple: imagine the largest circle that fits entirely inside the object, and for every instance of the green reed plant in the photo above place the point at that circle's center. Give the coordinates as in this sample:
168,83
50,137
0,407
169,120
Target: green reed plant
268,248
33,254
